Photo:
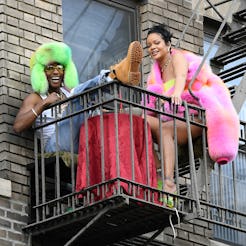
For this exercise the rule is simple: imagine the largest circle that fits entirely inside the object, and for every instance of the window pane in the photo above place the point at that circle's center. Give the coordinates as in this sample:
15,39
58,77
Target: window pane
98,33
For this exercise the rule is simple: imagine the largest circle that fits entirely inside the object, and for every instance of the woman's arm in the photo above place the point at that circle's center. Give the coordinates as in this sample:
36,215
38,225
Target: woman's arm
180,67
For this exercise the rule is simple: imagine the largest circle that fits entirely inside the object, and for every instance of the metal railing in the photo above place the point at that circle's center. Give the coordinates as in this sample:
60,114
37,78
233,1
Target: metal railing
116,162
55,174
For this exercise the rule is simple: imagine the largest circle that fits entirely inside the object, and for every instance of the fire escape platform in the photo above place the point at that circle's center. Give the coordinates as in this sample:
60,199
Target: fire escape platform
117,218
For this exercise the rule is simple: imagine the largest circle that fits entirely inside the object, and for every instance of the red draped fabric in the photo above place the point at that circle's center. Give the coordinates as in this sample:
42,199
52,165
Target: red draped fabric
91,170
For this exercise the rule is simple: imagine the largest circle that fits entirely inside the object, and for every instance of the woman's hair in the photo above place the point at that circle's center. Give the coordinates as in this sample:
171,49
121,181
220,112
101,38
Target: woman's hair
163,30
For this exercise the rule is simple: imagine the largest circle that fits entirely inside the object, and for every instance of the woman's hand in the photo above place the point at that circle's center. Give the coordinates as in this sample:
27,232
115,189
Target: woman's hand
176,99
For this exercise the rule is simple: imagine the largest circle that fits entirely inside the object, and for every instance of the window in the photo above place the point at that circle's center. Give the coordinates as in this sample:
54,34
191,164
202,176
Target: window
98,32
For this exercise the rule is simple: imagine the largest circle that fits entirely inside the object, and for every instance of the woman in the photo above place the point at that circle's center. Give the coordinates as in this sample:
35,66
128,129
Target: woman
171,74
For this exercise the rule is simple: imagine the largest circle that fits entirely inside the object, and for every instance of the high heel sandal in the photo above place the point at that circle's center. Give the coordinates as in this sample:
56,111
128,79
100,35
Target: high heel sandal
167,199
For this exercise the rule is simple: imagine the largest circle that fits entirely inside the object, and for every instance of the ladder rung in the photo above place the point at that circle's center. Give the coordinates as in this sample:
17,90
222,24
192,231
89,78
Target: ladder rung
236,36
230,56
233,73
240,15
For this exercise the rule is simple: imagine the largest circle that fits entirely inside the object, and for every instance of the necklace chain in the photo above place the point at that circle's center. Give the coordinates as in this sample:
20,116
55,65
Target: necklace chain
166,64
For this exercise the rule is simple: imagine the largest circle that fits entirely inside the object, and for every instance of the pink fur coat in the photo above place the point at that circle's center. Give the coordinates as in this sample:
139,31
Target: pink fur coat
221,117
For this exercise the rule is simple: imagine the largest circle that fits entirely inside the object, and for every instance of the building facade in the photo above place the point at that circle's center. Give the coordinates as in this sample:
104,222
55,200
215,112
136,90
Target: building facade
99,32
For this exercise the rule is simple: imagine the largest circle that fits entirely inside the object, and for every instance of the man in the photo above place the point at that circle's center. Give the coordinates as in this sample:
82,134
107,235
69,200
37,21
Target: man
53,78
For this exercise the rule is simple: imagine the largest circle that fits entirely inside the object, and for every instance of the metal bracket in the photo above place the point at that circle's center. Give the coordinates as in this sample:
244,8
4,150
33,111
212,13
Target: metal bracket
80,232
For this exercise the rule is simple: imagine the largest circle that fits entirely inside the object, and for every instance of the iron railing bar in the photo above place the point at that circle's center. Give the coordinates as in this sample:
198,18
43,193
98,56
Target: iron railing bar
234,175
57,166
161,145
218,4
102,138
188,23
192,162
156,234
87,148
80,232
176,160
43,195
214,8
132,143
144,115
36,170
116,130
239,229
220,196
239,99
72,174
210,48
205,163
147,154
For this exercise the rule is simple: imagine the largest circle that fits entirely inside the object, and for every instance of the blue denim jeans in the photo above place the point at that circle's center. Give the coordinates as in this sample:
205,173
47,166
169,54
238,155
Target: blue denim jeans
64,126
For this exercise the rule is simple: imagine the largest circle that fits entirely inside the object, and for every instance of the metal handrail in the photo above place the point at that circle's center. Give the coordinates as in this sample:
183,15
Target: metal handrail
217,4
188,23
210,48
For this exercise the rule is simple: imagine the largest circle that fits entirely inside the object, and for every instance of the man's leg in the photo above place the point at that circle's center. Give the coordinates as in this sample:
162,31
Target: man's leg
68,129
127,72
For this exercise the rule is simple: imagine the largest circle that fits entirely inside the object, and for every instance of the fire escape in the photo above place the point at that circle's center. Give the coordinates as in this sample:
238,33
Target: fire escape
119,210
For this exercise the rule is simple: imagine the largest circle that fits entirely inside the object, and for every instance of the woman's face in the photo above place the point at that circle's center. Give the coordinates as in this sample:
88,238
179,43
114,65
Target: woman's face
157,47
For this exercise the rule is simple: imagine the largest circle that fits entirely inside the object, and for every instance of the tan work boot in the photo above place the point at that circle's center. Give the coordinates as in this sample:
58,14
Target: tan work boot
127,71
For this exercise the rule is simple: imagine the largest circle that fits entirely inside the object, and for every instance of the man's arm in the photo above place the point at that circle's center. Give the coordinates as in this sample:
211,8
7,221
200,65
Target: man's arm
26,116
32,106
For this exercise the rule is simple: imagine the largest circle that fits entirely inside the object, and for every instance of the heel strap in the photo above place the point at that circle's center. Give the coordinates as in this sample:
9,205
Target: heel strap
170,179
158,171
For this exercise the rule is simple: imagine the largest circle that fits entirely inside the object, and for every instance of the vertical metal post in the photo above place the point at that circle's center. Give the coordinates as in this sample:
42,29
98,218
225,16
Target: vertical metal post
192,161
211,46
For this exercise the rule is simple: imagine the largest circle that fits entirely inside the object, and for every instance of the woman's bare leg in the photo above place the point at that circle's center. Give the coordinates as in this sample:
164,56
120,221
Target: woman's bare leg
169,146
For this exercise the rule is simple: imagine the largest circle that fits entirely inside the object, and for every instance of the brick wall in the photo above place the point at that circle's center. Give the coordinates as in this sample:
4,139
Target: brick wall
24,25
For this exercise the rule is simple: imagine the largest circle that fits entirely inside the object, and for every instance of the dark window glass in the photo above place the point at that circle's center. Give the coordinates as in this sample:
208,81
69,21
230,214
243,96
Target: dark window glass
98,32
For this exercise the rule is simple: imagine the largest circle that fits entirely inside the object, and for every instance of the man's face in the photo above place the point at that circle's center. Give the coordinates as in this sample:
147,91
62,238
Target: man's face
55,74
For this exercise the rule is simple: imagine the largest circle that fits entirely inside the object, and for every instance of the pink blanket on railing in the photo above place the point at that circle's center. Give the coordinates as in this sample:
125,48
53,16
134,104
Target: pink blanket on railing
221,117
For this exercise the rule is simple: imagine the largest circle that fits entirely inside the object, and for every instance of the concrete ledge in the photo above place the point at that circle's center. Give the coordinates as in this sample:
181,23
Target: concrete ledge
5,185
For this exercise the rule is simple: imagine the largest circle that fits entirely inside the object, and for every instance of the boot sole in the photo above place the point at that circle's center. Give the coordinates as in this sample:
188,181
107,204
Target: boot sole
136,55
